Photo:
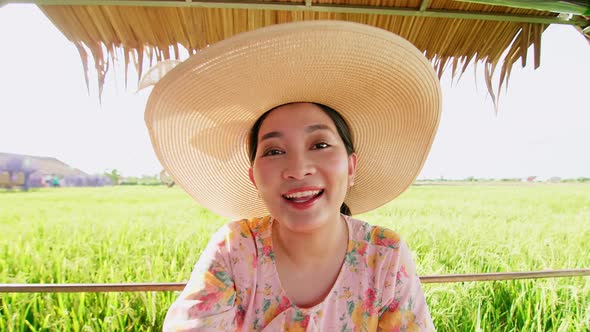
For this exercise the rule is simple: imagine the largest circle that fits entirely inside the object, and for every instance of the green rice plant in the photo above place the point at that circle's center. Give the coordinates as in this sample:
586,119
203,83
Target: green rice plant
156,234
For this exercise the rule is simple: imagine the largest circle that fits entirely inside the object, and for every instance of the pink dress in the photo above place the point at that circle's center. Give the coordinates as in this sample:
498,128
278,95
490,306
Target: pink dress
235,286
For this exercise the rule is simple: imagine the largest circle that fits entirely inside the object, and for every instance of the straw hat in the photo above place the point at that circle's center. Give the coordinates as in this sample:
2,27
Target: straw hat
200,113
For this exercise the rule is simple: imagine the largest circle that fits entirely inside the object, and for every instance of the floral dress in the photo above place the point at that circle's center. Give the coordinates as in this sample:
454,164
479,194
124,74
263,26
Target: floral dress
235,286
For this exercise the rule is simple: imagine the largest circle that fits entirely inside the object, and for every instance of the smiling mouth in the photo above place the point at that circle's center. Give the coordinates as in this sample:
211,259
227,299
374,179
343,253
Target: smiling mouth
303,196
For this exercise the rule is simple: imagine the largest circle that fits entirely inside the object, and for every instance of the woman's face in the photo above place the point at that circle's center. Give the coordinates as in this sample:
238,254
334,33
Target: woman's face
301,168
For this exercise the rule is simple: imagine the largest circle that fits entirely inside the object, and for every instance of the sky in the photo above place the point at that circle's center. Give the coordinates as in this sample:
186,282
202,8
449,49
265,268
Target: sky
542,128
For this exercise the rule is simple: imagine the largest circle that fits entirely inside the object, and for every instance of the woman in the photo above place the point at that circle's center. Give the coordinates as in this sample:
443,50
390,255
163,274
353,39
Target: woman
337,119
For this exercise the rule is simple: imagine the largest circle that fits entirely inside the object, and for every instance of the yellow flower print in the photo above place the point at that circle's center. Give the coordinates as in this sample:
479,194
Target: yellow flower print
372,322
295,326
267,242
372,261
409,316
267,290
212,282
228,294
260,225
346,294
244,229
270,312
351,245
384,237
357,315
391,321
359,247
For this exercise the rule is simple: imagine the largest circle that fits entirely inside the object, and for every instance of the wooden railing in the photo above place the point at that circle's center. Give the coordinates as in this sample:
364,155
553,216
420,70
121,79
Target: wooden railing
171,286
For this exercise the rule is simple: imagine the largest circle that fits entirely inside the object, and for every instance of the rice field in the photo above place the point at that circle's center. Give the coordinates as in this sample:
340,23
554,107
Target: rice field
155,234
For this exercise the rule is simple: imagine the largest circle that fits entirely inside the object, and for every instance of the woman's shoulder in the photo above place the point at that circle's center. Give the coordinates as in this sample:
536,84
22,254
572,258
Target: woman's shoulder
237,241
248,228
374,235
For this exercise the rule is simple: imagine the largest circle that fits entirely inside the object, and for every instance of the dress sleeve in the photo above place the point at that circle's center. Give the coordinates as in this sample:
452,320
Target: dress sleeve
207,303
404,306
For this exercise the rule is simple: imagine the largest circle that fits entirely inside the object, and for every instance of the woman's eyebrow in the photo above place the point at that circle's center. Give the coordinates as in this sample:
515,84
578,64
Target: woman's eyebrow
319,126
308,129
270,135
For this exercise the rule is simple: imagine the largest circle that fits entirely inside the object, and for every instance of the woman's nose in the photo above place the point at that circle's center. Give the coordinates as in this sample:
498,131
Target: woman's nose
298,167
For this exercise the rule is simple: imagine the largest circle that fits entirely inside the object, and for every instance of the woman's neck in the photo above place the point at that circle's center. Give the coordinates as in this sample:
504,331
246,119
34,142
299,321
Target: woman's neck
310,248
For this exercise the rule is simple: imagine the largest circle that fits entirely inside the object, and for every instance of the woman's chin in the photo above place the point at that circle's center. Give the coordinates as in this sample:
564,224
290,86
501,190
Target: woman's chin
301,224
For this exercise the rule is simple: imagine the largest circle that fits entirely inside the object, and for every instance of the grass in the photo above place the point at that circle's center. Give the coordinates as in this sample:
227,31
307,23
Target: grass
155,234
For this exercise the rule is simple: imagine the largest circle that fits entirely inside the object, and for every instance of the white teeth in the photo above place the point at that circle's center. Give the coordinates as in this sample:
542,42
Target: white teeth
303,194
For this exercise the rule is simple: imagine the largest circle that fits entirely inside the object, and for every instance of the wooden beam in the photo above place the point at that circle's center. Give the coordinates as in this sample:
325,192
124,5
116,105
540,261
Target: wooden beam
424,5
498,276
145,287
331,8
575,7
93,288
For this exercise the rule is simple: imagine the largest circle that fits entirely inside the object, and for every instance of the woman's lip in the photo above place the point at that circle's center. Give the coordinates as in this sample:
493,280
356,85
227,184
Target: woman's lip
306,204
302,189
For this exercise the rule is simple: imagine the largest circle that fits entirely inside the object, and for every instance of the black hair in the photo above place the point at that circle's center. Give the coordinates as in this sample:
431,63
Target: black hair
341,126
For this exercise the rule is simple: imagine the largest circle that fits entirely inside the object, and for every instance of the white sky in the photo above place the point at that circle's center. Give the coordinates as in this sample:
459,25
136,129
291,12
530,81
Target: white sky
542,129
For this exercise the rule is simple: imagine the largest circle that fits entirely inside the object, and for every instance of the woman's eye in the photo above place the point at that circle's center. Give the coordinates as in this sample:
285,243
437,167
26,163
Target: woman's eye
322,145
272,152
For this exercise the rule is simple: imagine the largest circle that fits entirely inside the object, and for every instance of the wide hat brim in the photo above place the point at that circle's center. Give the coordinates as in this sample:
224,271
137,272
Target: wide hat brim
200,113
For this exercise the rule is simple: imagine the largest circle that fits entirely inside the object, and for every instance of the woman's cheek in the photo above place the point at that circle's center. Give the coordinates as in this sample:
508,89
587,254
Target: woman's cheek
265,170
336,163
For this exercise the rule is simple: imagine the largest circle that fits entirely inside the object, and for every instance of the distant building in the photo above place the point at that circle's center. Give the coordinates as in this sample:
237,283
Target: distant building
44,168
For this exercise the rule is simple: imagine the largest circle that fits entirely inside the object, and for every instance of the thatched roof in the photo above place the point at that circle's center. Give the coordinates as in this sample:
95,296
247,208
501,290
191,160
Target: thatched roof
453,34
